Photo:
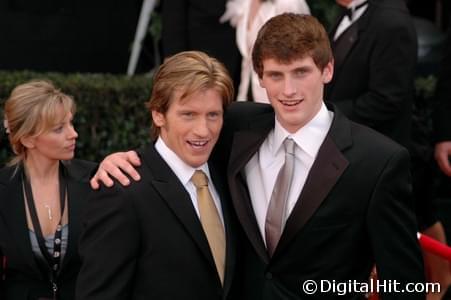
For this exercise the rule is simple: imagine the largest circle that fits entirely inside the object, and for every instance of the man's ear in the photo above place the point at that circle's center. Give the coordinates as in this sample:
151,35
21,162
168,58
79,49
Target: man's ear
158,118
260,81
328,72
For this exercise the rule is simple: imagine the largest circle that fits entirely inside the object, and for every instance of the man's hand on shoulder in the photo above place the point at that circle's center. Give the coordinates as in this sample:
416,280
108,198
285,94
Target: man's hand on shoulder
116,165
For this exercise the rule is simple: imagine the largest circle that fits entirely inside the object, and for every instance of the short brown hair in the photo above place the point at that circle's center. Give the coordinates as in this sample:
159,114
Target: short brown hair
188,71
31,110
290,36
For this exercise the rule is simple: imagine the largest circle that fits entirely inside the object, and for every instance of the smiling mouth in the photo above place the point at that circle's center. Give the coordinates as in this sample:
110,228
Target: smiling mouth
291,102
198,144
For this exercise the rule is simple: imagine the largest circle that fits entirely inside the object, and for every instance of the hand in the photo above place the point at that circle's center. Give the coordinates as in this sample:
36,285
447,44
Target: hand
442,155
117,165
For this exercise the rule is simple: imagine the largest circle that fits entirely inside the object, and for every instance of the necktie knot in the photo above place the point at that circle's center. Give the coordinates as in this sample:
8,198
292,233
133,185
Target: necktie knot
199,179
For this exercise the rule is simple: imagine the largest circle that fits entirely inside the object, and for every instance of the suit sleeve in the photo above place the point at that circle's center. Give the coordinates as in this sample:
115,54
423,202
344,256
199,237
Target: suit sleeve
392,227
108,245
174,26
390,88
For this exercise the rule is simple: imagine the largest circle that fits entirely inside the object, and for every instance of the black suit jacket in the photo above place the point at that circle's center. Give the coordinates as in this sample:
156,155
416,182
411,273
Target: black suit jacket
194,25
146,241
24,277
354,210
375,62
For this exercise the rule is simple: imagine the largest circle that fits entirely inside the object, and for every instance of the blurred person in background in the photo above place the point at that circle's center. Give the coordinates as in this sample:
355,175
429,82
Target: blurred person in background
248,16
42,192
375,52
194,25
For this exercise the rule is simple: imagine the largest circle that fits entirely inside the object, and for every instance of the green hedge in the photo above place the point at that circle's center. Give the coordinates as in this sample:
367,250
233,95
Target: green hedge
325,10
110,116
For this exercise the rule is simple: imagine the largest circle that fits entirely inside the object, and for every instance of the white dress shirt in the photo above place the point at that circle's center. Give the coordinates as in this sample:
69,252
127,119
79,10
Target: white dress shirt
184,172
356,14
261,171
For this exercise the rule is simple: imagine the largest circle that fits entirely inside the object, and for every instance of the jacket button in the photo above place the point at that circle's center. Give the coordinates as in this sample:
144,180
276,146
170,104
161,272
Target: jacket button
268,275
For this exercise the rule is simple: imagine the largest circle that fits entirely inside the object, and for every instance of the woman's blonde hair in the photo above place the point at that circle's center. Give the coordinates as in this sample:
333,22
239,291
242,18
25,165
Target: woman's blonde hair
32,109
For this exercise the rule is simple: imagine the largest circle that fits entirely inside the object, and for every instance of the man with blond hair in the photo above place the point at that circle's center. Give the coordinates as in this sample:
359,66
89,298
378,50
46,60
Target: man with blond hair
168,236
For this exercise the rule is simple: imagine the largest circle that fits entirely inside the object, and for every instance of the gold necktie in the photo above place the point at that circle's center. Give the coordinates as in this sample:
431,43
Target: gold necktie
211,223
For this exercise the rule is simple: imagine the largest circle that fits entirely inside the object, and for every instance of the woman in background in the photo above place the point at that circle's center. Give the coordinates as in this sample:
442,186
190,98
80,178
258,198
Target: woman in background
248,16
42,191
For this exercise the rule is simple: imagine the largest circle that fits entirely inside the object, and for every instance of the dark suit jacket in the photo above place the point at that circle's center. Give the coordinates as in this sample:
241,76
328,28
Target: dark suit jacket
375,62
25,278
145,241
355,210
194,25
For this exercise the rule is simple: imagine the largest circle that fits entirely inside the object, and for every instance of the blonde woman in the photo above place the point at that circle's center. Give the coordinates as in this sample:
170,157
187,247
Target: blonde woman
42,191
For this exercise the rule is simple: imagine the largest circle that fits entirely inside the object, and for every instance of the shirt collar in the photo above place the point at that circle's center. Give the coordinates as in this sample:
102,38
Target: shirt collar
182,170
356,3
309,137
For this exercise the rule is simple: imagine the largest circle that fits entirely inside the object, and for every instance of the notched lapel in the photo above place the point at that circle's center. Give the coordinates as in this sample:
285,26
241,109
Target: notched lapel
174,194
349,38
343,45
245,145
325,172
77,190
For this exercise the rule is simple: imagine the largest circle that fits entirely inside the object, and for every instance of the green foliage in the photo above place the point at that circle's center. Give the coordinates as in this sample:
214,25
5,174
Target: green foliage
155,26
422,110
325,10
425,87
111,114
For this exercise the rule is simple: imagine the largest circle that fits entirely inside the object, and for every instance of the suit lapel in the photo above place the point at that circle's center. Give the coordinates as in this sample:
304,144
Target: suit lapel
329,165
177,198
348,40
325,172
245,144
343,45
13,212
78,190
